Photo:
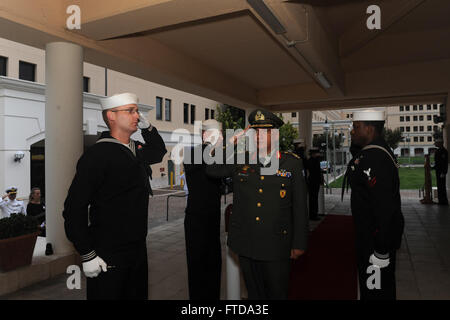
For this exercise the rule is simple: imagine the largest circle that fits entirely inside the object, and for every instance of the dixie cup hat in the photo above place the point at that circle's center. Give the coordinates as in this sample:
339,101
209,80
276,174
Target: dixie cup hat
118,100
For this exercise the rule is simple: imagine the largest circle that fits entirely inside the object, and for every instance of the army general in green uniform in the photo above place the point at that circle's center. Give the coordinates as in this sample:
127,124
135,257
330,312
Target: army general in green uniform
269,223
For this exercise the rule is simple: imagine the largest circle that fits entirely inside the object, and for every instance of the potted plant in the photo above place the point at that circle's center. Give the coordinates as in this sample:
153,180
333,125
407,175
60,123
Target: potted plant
18,235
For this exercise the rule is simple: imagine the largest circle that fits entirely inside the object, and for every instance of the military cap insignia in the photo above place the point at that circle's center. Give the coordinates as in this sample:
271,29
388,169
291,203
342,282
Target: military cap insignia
259,116
282,193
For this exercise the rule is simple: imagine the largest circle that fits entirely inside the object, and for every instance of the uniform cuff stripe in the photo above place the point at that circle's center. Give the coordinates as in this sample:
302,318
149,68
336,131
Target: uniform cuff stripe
89,256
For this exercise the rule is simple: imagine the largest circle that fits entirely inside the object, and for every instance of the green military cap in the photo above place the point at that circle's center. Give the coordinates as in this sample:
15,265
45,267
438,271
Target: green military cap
261,118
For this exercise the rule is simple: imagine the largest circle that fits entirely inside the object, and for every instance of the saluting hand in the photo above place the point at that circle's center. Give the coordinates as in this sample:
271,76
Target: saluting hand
296,253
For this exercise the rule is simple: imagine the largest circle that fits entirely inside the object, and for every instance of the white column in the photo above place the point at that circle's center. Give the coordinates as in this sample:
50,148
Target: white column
305,127
63,133
233,276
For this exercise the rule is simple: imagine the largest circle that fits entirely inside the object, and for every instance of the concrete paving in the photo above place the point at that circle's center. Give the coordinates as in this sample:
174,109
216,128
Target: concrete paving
423,262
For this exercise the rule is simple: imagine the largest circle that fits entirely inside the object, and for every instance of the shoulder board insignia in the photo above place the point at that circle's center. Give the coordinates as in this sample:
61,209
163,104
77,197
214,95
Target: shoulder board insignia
292,154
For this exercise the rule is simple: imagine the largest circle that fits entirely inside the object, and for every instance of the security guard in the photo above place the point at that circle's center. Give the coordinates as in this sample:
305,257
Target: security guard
376,207
269,222
9,204
441,167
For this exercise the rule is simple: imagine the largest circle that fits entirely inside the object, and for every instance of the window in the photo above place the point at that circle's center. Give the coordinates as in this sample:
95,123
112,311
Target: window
434,106
192,114
435,128
86,83
415,118
408,129
159,108
420,118
294,114
421,107
3,64
402,118
429,128
416,139
206,113
212,114
407,108
186,112
402,129
415,129
168,109
421,139
408,118
27,71
402,108
429,139
421,128
428,106
429,117
414,107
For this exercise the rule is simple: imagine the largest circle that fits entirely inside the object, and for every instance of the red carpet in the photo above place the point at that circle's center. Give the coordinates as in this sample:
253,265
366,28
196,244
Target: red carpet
327,271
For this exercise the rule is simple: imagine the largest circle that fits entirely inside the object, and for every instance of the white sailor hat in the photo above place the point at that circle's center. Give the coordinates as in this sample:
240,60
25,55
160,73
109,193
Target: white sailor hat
368,115
11,190
118,100
211,124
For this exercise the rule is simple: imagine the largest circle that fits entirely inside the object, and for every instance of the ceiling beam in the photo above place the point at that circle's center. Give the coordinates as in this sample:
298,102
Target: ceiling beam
359,35
291,94
361,103
404,48
160,15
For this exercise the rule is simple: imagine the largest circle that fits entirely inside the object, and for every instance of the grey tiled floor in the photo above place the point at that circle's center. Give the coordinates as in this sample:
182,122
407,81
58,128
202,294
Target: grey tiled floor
423,262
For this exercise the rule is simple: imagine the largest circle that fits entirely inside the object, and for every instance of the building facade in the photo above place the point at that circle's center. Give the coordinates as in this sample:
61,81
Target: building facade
22,114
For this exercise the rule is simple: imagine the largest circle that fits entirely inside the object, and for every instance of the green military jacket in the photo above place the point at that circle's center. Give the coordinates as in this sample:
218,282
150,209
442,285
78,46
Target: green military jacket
269,215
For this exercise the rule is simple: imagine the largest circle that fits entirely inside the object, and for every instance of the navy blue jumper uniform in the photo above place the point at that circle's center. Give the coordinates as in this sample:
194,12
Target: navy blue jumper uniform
111,188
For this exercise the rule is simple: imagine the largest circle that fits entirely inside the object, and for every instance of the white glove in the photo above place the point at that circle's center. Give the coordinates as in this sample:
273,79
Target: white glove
93,267
212,136
381,263
143,122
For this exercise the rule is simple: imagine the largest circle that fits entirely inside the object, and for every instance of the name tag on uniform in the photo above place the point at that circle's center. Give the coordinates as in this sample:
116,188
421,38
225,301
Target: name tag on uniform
283,173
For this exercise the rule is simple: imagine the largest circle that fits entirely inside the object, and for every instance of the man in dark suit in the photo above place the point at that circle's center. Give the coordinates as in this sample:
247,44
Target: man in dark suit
441,167
314,180
202,223
269,222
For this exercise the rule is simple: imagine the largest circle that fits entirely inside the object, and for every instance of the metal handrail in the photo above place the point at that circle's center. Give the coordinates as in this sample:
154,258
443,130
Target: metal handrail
167,203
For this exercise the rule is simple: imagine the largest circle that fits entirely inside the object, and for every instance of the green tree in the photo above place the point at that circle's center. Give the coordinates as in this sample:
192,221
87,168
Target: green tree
392,137
225,116
287,136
